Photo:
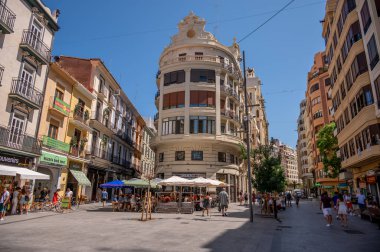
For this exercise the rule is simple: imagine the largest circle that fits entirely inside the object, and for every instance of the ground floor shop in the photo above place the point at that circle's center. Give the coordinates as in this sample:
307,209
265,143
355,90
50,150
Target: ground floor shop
367,180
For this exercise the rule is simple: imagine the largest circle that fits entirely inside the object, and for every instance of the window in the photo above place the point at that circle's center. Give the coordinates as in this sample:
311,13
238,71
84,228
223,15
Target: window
316,101
317,115
372,52
335,40
17,128
179,155
202,75
366,17
349,81
343,90
175,77
327,82
359,65
174,100
58,94
197,155
353,35
346,116
198,55
202,99
173,125
101,85
202,124
53,129
232,158
377,89
221,157
182,57
314,88
161,157
348,6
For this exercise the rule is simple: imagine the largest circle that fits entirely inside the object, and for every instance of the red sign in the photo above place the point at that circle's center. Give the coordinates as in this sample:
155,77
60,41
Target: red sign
371,179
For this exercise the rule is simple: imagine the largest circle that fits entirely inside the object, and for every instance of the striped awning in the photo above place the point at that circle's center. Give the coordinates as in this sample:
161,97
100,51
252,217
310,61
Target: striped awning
81,178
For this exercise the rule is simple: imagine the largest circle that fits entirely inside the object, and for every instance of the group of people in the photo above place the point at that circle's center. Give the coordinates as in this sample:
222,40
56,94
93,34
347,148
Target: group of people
341,204
15,201
122,201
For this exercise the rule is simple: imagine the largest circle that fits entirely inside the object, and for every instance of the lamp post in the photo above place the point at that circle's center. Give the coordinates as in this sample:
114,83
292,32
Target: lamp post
246,124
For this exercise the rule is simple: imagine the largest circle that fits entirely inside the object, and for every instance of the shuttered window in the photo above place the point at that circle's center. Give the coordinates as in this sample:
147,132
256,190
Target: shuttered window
174,100
202,75
202,99
175,77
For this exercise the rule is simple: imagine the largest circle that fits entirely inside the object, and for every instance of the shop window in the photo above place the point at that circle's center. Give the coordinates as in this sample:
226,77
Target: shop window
173,125
197,155
221,157
179,155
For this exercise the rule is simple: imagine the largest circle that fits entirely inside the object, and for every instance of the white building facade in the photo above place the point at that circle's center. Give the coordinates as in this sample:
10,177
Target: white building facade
200,108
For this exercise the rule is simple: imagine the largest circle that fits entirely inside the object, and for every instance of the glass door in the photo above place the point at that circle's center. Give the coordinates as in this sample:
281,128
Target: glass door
36,35
25,85
16,130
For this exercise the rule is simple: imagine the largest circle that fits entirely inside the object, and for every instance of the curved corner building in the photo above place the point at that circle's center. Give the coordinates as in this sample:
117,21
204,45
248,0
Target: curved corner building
200,104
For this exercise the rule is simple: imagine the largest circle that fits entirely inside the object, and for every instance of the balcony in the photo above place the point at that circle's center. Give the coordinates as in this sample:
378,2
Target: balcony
100,153
23,91
7,19
59,107
112,102
80,119
15,140
156,116
34,45
77,152
55,144
101,122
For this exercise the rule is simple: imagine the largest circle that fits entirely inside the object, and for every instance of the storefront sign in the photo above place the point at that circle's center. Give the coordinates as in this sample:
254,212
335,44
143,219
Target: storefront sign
54,159
55,144
61,106
190,175
14,160
371,179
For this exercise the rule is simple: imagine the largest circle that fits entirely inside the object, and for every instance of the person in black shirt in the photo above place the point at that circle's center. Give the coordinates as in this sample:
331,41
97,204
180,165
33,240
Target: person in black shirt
326,205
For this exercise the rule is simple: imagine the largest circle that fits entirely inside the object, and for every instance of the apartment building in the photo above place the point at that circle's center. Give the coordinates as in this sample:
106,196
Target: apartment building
27,29
302,155
148,158
318,115
350,29
259,124
115,139
200,112
64,130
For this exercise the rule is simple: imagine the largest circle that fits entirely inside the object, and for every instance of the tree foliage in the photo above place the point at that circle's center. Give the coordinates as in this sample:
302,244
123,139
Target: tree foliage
269,176
327,145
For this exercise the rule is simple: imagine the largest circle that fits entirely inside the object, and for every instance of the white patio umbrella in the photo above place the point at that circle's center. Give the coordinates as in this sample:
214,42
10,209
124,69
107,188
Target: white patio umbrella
176,181
201,182
217,183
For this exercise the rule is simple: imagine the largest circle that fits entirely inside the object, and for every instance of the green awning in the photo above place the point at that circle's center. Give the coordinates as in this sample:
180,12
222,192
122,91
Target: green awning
81,178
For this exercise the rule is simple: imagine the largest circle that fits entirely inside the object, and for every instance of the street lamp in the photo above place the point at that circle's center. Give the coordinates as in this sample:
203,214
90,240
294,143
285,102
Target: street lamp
246,123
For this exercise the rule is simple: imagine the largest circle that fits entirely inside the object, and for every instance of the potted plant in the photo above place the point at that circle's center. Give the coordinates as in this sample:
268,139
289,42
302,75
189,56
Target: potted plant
83,143
77,109
74,141
86,115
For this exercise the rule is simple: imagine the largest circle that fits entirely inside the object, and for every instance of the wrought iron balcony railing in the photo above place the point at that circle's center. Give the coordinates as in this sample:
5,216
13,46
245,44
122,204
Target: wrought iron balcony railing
32,43
14,138
24,91
7,19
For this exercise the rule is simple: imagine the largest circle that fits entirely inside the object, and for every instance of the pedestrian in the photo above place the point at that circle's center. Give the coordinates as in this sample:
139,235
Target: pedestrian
342,210
56,197
297,199
206,203
223,201
98,194
245,198
361,202
326,204
335,200
289,199
24,200
4,200
15,200
104,196
241,198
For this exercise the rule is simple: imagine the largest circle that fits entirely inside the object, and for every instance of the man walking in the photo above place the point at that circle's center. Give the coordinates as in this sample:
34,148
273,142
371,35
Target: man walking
223,201
104,196
361,202
4,199
326,204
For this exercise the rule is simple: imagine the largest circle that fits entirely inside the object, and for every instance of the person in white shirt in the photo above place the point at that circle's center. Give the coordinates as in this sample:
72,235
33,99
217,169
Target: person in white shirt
4,199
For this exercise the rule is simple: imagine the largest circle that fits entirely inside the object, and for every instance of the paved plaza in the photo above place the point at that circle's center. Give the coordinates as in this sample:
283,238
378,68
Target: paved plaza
99,229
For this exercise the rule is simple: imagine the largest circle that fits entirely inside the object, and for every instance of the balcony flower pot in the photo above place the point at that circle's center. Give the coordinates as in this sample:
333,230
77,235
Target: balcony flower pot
86,115
74,141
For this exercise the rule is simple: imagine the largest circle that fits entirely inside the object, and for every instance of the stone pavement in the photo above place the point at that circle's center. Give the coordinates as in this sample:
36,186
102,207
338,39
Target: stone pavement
99,229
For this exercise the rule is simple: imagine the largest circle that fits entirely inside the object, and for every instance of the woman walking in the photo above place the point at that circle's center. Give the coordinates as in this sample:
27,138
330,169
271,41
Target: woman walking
24,201
206,204
342,211
15,200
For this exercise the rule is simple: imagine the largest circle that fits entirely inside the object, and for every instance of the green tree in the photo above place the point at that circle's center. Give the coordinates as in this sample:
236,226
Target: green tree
268,174
327,145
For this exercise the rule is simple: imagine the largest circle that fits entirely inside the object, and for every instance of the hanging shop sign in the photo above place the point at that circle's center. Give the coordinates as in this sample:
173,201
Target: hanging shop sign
54,159
55,144
13,160
371,179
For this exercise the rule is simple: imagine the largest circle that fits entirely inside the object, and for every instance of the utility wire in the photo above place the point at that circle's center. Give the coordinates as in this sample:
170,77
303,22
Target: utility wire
266,21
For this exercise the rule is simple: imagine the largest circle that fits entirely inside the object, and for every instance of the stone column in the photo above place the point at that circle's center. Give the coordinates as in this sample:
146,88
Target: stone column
187,101
217,103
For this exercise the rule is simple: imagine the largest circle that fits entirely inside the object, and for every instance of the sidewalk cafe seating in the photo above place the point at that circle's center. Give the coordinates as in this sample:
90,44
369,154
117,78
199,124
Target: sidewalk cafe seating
373,213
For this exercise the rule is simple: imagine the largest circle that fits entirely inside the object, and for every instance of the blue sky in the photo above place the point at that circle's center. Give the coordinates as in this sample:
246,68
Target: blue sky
130,35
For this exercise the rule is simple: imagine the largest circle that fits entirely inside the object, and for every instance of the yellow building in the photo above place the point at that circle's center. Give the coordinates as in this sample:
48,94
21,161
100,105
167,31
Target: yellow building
64,132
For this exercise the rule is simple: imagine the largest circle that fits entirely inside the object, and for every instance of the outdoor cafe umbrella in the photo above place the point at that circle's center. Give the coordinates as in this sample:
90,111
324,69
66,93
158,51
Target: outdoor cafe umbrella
140,183
176,181
113,184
